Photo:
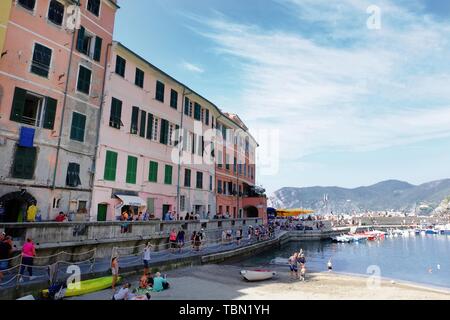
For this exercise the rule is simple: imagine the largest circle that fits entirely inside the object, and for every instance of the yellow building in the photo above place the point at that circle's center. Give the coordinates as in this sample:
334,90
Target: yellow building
5,8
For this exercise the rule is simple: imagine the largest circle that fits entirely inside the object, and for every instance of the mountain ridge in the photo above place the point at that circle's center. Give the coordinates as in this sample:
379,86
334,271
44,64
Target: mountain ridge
389,195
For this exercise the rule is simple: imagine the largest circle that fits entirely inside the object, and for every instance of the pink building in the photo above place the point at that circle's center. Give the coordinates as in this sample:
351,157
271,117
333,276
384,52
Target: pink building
51,84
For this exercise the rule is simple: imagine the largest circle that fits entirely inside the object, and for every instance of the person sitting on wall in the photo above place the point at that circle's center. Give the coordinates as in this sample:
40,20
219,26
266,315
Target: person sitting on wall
187,217
61,217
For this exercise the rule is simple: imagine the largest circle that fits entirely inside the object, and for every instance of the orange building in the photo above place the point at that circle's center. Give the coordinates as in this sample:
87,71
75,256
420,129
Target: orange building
237,193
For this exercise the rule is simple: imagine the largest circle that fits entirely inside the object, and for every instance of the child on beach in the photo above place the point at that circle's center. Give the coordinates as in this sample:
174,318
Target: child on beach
330,266
303,273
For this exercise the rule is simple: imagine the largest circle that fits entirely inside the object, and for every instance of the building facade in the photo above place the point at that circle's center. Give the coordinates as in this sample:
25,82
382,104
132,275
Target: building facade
51,81
5,9
237,193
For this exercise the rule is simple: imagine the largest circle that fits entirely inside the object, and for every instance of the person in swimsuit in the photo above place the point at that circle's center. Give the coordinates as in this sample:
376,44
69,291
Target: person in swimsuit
114,271
293,265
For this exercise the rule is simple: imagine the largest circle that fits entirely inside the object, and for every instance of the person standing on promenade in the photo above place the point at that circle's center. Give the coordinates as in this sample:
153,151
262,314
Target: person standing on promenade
147,251
114,272
180,239
330,266
5,253
28,254
31,212
239,236
173,240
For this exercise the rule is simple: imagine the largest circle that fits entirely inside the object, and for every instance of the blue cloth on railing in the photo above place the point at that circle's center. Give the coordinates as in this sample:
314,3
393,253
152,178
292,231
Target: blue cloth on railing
26,137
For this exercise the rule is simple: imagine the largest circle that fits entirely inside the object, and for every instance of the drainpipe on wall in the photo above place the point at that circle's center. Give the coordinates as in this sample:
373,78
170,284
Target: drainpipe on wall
97,133
180,147
63,111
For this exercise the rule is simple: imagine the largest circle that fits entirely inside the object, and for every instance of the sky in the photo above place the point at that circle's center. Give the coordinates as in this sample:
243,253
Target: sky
338,93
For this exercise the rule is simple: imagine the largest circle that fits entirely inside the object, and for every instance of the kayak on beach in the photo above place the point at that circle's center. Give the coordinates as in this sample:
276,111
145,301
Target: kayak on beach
86,287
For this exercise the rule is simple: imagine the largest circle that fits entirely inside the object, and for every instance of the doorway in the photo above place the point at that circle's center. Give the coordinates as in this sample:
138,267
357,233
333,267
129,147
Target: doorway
14,206
165,208
102,210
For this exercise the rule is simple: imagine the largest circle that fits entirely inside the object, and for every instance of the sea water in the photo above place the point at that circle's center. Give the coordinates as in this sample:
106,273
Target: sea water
420,259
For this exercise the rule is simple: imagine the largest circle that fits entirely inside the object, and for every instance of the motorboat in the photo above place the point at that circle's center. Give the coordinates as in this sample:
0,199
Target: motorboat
257,275
342,239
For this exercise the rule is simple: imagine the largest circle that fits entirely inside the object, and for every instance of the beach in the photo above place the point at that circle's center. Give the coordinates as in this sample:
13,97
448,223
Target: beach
223,282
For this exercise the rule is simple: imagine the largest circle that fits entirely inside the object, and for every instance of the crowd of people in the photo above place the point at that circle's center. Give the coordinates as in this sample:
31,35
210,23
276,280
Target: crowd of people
28,253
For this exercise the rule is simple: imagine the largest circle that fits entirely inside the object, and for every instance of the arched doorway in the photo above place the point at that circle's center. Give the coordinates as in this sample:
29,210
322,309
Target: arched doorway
251,212
14,206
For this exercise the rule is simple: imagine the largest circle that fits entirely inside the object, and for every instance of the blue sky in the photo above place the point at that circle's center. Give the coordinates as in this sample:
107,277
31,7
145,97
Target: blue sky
353,106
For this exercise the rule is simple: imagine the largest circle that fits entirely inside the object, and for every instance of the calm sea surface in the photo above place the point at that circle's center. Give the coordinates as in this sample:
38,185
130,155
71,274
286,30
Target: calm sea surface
403,258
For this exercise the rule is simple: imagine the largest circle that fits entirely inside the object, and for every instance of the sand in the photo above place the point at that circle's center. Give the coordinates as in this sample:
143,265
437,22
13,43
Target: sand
223,282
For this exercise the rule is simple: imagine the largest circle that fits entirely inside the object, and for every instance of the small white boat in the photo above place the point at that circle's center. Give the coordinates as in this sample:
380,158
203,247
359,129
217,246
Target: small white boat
280,261
257,275
30,297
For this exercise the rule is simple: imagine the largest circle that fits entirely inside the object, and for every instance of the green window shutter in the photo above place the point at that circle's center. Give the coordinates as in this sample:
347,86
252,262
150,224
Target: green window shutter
134,120
197,111
84,80
50,113
73,175
139,78
80,39
168,175
98,48
164,136
149,126
153,172
150,205
207,117
120,66
18,105
187,178
174,99
24,163
131,169
110,166
159,91
199,180
142,126
78,127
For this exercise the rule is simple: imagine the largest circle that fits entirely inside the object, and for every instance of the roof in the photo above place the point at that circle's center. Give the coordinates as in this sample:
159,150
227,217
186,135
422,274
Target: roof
243,127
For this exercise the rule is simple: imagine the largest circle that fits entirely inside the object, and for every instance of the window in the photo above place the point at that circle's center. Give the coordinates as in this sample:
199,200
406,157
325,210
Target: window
131,169
168,174
73,175
84,80
78,127
121,64
187,178
155,128
174,99
110,166
139,78
182,203
164,136
134,120
199,180
153,172
56,12
210,183
89,44
32,109
116,114
27,4
197,111
219,159
42,57
149,126
93,6
150,205
159,91
227,163
186,106
24,163
234,165
219,186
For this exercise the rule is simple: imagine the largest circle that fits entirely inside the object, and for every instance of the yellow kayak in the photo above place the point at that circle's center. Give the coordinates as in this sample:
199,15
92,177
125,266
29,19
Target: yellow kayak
88,286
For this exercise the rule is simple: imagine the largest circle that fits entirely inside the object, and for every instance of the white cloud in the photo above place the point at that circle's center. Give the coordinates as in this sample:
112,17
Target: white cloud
383,88
192,67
